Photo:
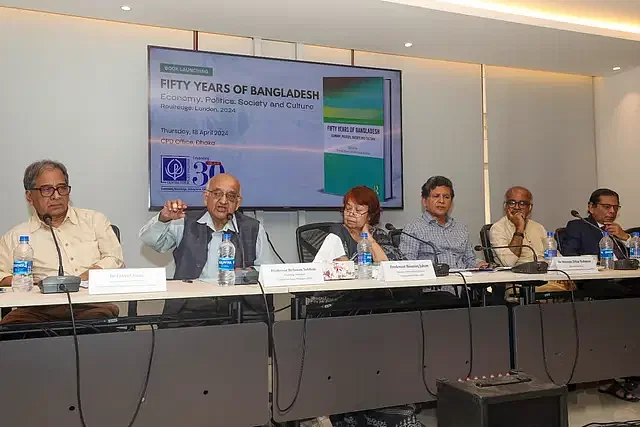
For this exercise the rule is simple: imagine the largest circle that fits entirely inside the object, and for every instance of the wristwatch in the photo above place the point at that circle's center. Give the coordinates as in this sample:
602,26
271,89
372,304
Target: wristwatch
519,234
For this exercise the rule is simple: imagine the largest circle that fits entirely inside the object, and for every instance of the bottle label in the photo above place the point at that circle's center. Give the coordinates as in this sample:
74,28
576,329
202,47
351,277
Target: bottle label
365,259
550,253
606,253
634,252
22,267
226,263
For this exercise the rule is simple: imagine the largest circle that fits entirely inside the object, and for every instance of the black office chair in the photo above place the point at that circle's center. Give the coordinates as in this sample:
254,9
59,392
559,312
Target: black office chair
395,236
633,230
485,240
116,231
132,307
560,236
309,238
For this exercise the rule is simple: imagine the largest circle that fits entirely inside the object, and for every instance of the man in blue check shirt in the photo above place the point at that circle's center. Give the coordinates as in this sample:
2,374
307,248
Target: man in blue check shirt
450,237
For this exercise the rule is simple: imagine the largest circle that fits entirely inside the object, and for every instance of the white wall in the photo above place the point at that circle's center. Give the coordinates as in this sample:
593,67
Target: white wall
617,106
541,136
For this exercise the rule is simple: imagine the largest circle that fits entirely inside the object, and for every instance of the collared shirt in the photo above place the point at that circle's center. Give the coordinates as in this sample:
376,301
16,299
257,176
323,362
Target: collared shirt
501,234
85,237
166,236
451,239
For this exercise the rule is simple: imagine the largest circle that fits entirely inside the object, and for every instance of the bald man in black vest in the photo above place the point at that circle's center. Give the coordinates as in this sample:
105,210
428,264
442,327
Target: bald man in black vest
195,237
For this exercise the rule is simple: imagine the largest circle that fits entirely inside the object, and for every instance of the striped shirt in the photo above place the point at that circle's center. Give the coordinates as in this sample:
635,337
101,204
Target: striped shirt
451,240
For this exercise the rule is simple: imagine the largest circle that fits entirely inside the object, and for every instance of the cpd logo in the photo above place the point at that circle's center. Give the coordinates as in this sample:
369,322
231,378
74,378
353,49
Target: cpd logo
174,169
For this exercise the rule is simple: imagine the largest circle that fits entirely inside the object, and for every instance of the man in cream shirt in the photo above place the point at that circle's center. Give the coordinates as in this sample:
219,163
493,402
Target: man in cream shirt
86,240
517,228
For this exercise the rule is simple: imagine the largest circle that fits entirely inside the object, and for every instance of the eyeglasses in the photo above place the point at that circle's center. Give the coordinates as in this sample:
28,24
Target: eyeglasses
520,203
219,194
355,212
609,207
47,190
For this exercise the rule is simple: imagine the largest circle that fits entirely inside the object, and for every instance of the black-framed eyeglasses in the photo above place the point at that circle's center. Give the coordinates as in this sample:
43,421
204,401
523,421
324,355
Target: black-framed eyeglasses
520,203
48,190
219,194
609,207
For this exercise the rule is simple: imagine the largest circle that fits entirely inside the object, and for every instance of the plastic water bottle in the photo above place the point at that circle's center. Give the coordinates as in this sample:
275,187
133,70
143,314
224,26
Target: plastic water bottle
606,252
226,262
634,246
22,280
365,260
550,247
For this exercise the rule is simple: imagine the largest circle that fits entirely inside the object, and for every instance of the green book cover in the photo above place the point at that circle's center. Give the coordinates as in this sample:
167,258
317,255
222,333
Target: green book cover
353,110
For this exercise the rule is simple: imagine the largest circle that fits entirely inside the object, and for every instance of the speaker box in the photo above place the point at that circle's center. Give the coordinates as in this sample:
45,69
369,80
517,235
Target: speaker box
501,401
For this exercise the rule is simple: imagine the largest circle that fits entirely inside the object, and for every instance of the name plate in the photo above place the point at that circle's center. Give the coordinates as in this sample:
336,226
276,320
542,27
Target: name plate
395,271
127,280
578,264
291,274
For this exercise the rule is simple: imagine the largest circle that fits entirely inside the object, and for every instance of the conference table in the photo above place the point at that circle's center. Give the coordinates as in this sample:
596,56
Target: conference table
219,374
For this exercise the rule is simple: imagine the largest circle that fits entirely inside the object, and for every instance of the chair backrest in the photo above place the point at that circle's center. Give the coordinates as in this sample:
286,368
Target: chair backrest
395,236
559,236
485,240
309,238
116,231
633,230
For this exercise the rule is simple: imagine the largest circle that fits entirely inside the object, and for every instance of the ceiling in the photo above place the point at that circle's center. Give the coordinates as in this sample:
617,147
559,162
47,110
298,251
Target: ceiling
621,11
382,26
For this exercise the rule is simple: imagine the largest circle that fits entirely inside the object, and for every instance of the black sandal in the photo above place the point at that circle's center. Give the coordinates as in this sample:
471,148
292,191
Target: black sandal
617,390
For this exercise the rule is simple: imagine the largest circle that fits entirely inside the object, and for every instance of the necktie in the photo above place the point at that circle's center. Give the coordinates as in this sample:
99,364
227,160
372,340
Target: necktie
616,246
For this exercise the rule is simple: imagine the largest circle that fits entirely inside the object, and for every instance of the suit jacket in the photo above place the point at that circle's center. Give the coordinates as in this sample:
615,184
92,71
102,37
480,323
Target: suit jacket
582,239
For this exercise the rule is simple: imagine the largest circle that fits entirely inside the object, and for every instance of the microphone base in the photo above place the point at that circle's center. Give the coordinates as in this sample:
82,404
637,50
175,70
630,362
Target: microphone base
539,267
441,270
247,276
59,284
626,264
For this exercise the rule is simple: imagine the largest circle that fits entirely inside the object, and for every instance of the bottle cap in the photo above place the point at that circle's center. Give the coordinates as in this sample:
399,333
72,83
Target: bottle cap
605,233
226,236
549,233
364,235
24,239
635,234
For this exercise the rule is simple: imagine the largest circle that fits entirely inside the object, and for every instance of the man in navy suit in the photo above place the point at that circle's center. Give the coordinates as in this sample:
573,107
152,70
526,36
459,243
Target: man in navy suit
583,239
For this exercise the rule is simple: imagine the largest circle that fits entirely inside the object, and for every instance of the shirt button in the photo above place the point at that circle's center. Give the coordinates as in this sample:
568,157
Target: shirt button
75,269
71,258
66,244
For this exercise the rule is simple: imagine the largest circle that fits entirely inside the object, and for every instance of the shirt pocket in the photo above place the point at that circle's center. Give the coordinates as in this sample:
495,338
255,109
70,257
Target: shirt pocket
84,254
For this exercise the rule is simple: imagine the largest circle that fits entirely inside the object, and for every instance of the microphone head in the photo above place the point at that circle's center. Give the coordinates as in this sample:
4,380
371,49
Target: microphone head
478,248
576,214
47,219
389,226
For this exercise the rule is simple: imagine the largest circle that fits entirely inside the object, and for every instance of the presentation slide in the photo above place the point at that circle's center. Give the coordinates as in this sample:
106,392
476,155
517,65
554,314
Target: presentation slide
297,135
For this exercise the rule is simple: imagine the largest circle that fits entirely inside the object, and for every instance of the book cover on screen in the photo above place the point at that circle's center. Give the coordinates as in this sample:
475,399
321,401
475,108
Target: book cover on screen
356,138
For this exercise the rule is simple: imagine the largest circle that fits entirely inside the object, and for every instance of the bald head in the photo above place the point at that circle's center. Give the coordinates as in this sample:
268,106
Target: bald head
222,197
523,193
225,180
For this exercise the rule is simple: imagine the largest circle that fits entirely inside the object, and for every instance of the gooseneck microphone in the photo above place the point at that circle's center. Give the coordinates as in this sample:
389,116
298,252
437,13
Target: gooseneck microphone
534,267
621,264
59,283
440,269
576,214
